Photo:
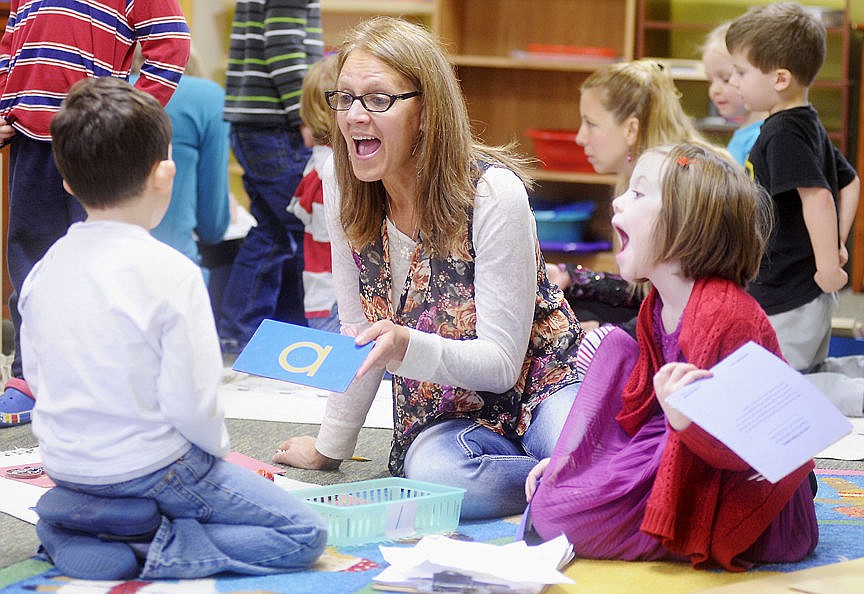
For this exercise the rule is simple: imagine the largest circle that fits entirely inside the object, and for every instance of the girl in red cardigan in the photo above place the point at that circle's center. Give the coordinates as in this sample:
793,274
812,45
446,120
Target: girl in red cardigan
630,477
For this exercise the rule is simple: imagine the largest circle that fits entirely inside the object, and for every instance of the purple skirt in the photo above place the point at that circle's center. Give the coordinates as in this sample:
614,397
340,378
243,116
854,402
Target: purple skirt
597,485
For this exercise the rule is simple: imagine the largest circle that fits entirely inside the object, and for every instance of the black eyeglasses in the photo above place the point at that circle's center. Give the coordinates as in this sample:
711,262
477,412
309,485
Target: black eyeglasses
374,102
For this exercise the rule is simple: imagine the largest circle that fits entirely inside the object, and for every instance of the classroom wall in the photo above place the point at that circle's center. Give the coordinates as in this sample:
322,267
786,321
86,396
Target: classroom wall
211,25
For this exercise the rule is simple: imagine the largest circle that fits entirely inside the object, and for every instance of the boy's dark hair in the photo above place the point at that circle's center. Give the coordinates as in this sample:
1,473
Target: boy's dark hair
107,137
780,35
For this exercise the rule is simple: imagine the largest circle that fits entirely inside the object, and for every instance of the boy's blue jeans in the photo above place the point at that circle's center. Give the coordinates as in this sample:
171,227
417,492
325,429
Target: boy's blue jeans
492,468
266,277
220,517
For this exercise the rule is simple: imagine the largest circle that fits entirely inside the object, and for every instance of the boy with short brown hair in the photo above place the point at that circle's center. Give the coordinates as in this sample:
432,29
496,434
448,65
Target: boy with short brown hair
121,351
777,50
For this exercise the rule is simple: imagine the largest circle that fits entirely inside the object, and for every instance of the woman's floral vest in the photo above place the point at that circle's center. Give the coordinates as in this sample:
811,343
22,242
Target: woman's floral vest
438,297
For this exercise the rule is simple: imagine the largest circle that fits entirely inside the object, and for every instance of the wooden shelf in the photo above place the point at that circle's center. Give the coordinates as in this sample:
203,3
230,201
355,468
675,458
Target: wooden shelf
340,15
378,7
478,61
509,91
573,177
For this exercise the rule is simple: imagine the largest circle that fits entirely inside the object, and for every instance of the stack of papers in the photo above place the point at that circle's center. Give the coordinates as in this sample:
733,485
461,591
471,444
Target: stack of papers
438,563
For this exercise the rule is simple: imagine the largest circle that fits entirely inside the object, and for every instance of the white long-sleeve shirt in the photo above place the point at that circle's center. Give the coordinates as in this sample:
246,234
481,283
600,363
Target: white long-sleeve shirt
504,238
120,349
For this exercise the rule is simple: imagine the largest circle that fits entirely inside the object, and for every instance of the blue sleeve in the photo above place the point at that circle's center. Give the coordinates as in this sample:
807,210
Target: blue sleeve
212,208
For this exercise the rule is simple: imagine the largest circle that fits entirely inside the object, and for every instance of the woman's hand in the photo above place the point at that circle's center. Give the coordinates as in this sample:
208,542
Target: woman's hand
534,478
671,378
391,343
300,452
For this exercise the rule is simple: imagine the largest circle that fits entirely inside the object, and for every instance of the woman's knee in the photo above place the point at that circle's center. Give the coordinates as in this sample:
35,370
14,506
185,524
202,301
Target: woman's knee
548,422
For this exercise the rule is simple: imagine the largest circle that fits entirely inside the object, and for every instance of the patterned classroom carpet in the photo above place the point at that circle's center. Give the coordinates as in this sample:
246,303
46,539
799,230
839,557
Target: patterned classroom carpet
349,570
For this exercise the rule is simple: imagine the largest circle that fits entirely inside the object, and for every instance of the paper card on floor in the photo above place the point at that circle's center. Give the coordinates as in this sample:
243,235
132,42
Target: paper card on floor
302,355
763,410
32,474
251,463
850,447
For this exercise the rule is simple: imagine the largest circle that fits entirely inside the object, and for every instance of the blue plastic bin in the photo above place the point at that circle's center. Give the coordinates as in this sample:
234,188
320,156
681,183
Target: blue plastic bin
384,509
564,224
841,346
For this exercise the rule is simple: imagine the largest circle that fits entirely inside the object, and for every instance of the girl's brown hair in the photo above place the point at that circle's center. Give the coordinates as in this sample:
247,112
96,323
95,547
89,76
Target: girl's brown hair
714,219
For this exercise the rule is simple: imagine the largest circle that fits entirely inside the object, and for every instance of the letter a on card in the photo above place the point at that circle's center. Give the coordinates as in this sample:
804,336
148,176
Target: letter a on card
302,355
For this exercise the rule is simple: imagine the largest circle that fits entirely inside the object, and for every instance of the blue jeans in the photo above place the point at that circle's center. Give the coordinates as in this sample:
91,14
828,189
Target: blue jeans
329,324
220,517
40,213
492,468
266,279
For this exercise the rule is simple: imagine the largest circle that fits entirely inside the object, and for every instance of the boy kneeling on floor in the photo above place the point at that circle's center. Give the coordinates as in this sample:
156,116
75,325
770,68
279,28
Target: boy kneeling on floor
122,354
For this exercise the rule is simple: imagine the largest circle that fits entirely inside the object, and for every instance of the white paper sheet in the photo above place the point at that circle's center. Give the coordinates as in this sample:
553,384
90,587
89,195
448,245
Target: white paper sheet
262,399
764,411
850,447
514,567
240,226
17,497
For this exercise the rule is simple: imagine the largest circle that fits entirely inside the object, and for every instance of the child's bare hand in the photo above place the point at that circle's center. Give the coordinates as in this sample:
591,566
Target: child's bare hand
558,274
534,478
6,131
831,280
844,255
671,378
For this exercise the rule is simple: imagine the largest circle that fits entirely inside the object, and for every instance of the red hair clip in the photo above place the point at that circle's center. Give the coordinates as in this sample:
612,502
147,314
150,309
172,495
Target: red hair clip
684,161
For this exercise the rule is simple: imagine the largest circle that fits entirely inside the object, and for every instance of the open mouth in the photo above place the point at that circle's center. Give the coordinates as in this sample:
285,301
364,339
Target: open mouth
623,238
366,146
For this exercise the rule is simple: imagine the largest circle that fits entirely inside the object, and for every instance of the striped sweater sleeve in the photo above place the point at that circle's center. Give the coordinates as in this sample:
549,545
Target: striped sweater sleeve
162,31
51,44
273,42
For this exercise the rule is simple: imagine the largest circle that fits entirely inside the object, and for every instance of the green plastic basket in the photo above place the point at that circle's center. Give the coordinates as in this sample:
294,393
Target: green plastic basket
384,509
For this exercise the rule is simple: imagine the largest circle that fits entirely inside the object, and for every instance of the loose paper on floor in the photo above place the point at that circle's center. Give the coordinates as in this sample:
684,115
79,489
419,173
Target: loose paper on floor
262,399
515,567
850,447
17,497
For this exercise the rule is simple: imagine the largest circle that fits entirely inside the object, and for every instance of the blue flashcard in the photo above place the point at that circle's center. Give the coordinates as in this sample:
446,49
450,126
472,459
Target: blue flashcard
302,355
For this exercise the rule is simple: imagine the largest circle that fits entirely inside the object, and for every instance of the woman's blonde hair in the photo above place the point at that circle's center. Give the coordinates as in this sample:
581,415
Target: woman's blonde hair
314,111
714,219
448,156
644,89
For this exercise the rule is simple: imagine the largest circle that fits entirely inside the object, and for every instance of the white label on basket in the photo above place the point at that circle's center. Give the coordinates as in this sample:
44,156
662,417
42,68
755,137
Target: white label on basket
400,519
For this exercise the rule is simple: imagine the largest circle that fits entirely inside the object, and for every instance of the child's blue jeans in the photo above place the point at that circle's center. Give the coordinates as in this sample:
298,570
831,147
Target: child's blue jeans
220,517
266,276
492,468
40,213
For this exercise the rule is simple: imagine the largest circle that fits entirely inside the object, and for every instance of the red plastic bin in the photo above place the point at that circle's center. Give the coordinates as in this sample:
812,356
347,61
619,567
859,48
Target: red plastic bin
557,149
